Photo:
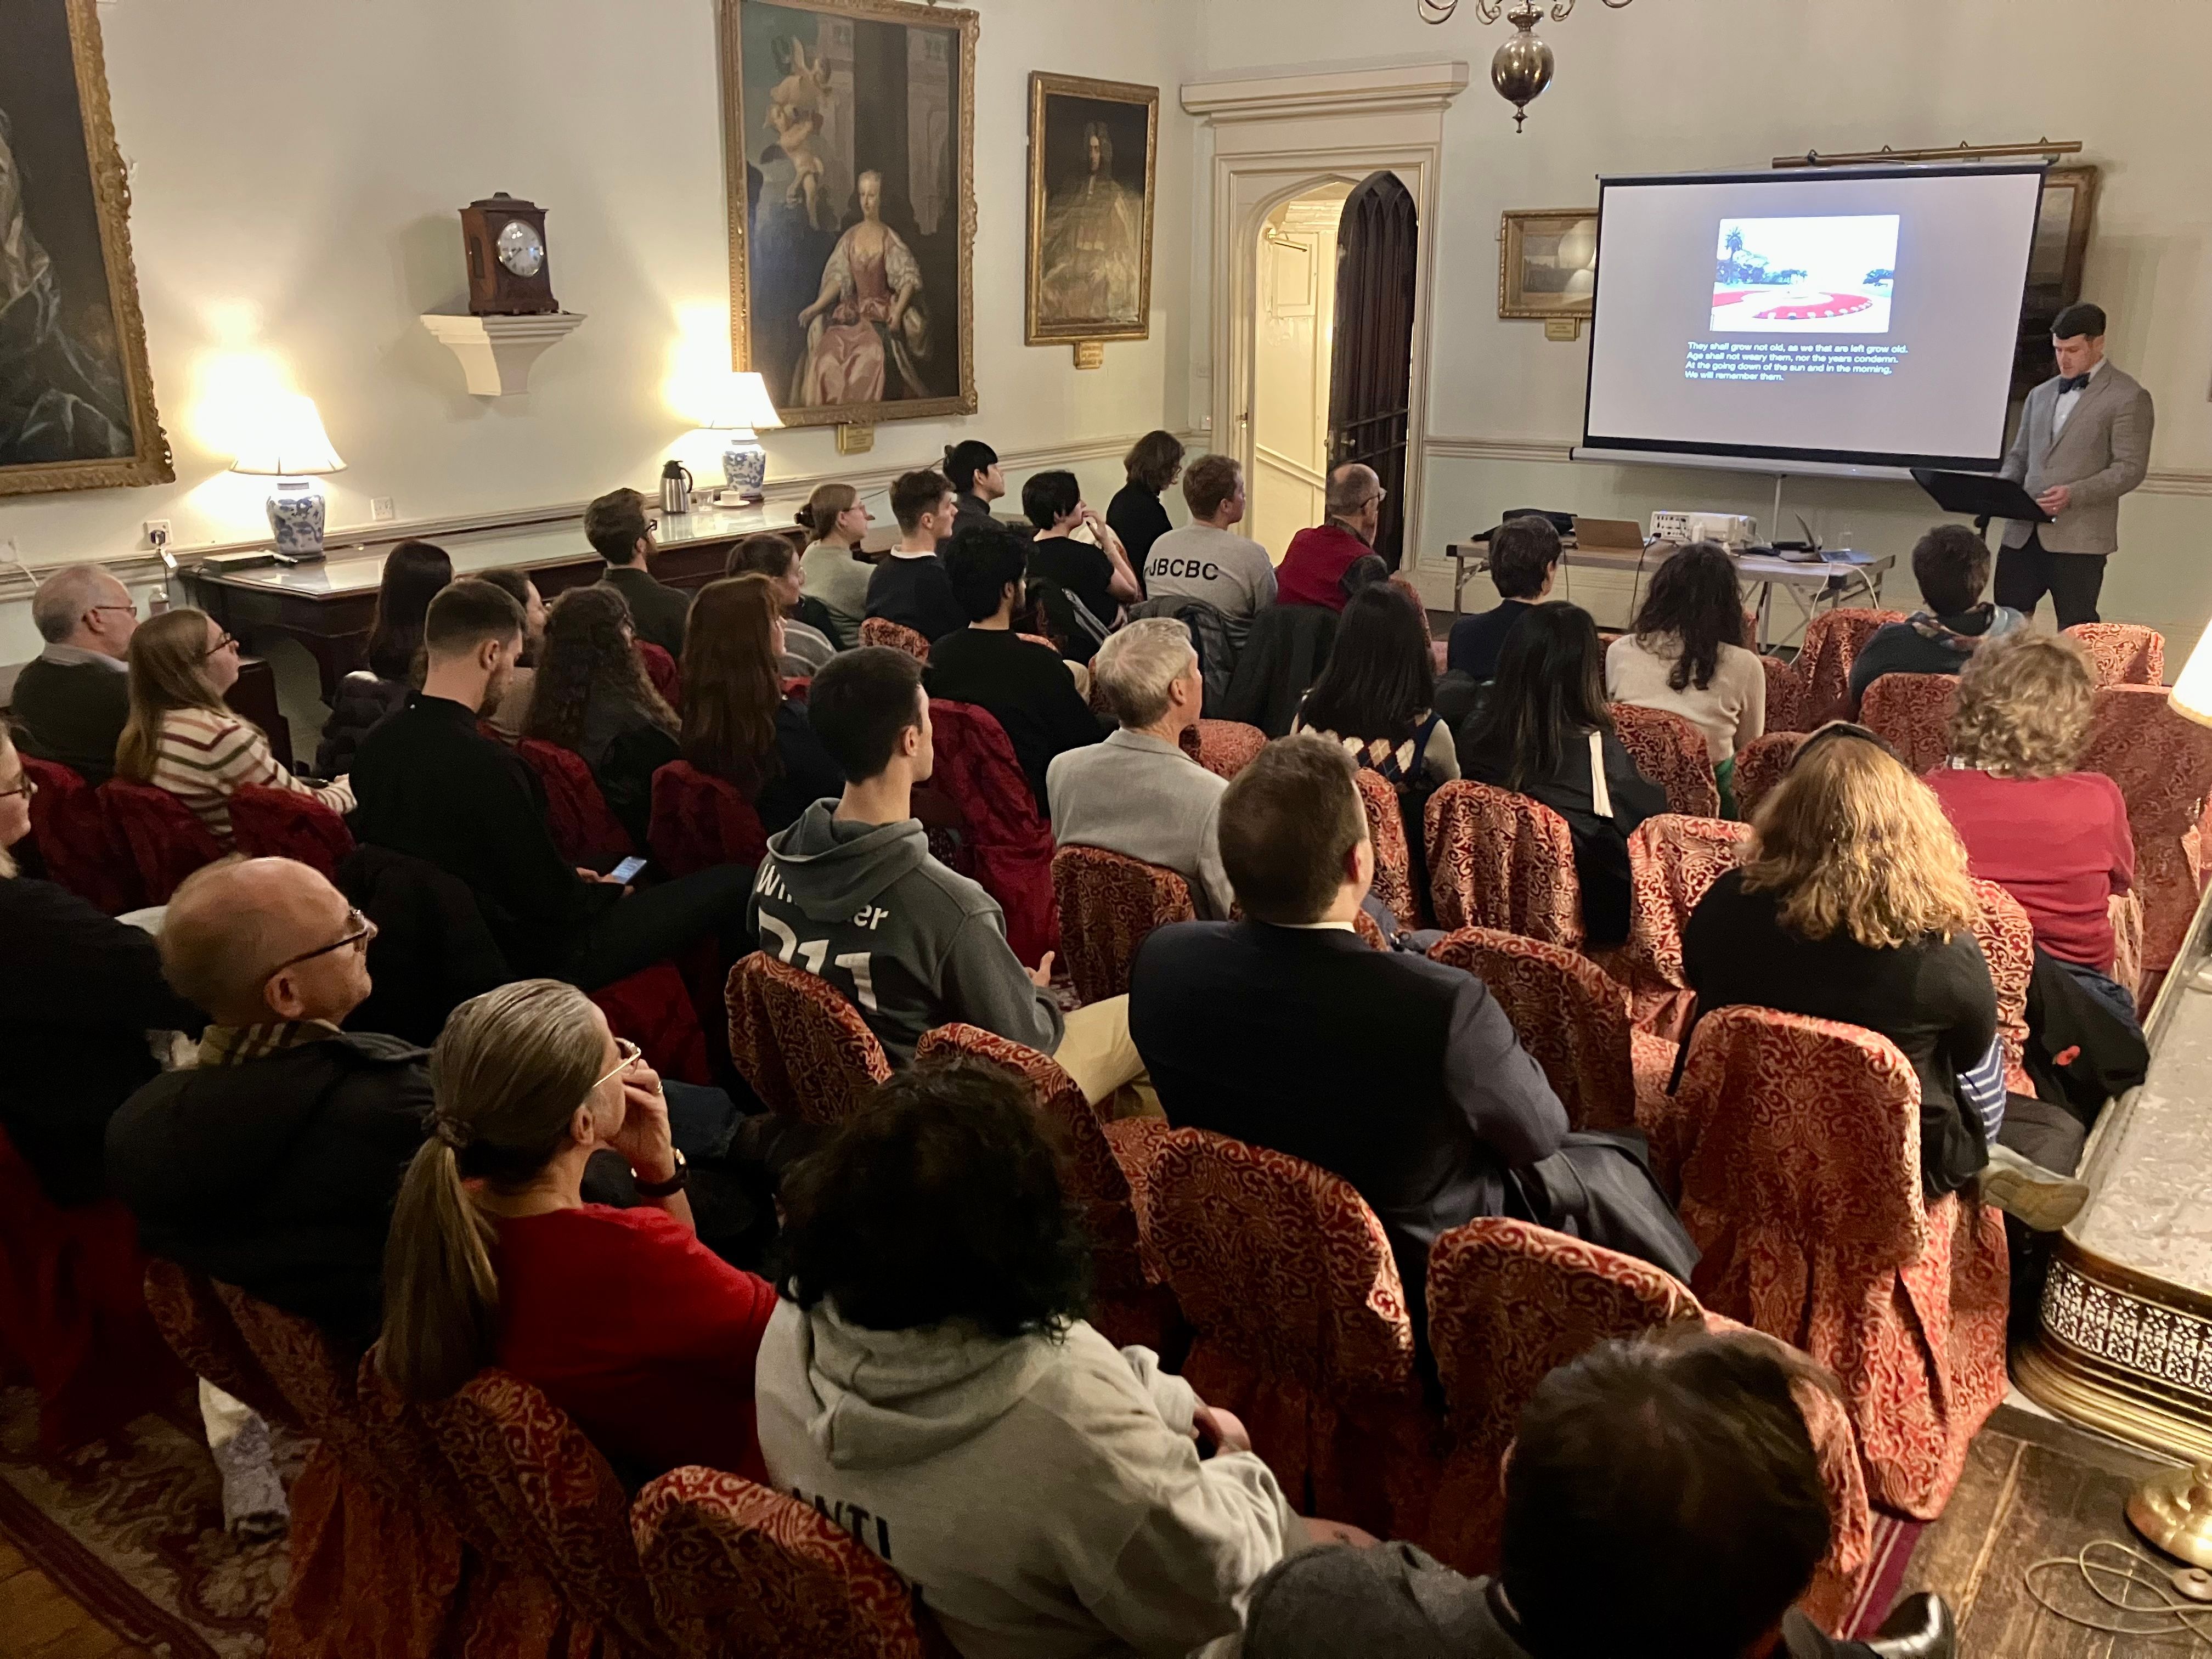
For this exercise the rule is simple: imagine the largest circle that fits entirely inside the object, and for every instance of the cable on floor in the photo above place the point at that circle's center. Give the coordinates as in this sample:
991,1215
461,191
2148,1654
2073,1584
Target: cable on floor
2116,1583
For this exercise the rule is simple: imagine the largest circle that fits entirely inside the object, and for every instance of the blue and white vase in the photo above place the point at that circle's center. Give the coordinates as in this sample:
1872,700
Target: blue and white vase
296,510
745,466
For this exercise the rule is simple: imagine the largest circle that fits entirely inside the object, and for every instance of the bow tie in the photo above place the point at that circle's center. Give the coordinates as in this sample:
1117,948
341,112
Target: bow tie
2072,383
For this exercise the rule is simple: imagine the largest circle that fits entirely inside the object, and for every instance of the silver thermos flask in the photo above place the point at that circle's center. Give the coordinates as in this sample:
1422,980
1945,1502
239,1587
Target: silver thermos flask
675,488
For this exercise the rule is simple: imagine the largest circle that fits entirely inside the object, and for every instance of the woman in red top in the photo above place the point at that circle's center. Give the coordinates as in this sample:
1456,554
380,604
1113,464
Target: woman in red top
625,1321
2056,839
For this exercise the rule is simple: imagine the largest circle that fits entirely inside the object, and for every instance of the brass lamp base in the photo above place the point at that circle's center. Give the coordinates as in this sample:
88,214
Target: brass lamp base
2173,1511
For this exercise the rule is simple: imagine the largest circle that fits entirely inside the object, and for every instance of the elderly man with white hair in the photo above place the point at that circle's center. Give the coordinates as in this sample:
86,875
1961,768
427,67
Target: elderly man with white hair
73,698
1138,793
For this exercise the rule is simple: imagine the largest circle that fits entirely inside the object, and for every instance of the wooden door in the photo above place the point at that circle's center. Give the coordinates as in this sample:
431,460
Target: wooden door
1371,368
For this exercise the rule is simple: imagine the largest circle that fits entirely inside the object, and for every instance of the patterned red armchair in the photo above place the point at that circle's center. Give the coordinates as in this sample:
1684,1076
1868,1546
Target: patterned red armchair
1393,863
1671,752
1760,765
881,630
1108,1172
165,843
1302,1330
584,827
653,1007
738,1571
802,1048
1801,1184
1109,905
2162,762
1785,697
1913,712
199,1330
699,821
1223,748
1008,846
79,845
1500,860
1832,640
282,824
2008,940
2122,654
1672,860
663,670
1573,1018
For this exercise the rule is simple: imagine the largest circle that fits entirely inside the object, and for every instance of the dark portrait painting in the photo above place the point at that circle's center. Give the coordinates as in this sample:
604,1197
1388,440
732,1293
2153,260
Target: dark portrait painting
848,136
77,403
1091,157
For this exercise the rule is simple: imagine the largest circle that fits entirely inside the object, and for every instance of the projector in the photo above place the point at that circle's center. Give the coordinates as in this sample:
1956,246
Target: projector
1731,529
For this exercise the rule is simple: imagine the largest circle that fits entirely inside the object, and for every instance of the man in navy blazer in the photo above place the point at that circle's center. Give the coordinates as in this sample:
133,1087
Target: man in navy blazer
1287,1030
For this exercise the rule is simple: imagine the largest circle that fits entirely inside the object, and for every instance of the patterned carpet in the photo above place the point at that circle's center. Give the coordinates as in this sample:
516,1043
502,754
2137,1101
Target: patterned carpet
132,1528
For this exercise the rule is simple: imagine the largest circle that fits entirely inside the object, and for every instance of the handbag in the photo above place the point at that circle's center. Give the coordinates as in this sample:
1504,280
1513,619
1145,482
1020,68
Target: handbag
1599,1187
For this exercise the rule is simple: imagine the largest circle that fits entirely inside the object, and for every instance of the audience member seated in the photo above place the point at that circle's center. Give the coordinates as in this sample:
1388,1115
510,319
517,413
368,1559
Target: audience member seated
1138,793
1951,566
1093,572
70,698
79,992
1677,1467
1685,655
1203,560
910,587
851,893
1315,563
930,1380
1544,732
183,738
593,695
2056,839
1023,685
1153,463
810,633
512,712
431,785
1524,561
626,1321
413,574
1287,1029
272,1163
618,527
1375,695
738,724
831,571
1854,903
971,471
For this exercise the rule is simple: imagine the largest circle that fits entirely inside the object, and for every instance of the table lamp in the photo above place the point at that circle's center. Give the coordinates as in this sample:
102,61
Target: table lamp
742,408
290,445
2192,691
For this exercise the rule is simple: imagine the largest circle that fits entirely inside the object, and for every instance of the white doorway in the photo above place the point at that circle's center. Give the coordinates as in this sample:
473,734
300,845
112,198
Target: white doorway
1294,336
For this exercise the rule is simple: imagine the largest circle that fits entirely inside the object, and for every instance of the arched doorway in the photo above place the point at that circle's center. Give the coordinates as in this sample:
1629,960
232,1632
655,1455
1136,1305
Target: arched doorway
1293,334
1371,375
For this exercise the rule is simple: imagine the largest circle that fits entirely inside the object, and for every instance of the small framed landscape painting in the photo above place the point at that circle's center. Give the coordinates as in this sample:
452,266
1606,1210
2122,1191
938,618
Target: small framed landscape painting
1546,261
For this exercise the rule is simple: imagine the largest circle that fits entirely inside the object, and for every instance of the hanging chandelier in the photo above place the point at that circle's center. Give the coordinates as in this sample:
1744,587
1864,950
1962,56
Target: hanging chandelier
1522,66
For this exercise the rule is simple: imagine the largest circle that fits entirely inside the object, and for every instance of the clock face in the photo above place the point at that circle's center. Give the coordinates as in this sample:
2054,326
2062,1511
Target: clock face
520,249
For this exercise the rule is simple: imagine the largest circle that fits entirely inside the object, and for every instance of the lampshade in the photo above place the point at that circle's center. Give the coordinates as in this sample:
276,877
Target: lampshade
288,440
2192,692
742,401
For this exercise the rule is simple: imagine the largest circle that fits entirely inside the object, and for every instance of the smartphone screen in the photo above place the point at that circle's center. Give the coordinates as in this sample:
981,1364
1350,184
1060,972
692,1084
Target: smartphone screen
626,870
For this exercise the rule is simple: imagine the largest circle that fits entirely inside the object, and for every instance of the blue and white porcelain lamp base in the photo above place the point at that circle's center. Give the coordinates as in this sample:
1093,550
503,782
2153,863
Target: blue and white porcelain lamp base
296,512
745,465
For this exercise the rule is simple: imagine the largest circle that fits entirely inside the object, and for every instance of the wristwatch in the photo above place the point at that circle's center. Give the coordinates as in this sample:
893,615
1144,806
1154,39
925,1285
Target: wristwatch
675,1183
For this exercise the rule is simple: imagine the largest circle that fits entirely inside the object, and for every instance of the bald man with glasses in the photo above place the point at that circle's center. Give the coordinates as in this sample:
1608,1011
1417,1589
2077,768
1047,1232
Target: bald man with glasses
72,699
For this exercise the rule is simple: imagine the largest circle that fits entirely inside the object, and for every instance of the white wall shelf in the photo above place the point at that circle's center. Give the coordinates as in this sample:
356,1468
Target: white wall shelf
496,353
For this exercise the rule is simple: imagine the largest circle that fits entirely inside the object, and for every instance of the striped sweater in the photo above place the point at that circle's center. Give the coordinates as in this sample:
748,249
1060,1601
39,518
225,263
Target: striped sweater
204,755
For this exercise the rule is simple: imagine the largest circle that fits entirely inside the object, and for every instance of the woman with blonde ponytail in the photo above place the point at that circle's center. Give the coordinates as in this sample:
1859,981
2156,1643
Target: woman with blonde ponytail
629,1324
830,569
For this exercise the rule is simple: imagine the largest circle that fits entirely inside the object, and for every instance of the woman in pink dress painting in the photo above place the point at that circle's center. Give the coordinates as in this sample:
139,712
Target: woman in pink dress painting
869,311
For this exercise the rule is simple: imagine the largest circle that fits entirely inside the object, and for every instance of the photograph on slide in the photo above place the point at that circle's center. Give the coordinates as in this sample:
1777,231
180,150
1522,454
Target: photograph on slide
1827,276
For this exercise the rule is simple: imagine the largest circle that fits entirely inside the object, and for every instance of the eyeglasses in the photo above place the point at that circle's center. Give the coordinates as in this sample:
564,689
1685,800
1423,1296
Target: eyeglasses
25,785
359,930
227,642
132,609
631,1053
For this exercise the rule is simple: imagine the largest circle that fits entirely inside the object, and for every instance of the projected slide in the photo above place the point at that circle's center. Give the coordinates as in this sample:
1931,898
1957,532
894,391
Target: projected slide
1805,275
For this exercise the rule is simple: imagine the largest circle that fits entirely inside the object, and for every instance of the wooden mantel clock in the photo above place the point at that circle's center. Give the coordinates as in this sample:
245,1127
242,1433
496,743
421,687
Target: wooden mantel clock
503,239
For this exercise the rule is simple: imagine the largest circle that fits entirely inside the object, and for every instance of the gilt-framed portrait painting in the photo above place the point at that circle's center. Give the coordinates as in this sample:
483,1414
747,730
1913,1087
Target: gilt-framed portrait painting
76,398
1093,151
1547,262
2054,261
848,141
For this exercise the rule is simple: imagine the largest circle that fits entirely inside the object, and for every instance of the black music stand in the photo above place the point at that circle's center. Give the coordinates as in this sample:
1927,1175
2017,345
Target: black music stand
1984,496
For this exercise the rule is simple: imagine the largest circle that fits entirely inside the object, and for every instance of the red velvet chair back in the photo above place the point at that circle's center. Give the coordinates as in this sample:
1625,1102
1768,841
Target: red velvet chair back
2008,940
282,824
79,845
1570,1016
737,1571
1913,712
881,630
805,1051
584,826
1760,765
653,1007
165,842
1785,699
1109,905
1832,640
196,1325
699,821
1223,748
2122,654
1394,862
1672,860
1008,844
1671,752
2162,762
1500,860
663,670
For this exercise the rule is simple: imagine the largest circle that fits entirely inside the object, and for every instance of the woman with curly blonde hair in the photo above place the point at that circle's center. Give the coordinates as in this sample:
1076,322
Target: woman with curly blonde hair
1854,904
2056,839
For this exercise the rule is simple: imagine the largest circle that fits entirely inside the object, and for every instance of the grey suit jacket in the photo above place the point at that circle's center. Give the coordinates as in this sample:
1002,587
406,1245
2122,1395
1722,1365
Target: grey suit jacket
2101,455
1135,795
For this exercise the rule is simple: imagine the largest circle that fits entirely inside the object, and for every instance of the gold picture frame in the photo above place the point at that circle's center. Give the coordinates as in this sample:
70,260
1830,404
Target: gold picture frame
1531,281
804,122
90,369
1088,269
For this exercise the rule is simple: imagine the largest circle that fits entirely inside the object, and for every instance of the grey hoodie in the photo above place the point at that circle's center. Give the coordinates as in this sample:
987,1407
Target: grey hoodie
908,942
1044,1496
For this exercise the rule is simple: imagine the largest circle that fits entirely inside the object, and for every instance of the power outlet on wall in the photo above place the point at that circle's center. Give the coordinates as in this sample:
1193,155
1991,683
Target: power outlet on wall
157,532
381,508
